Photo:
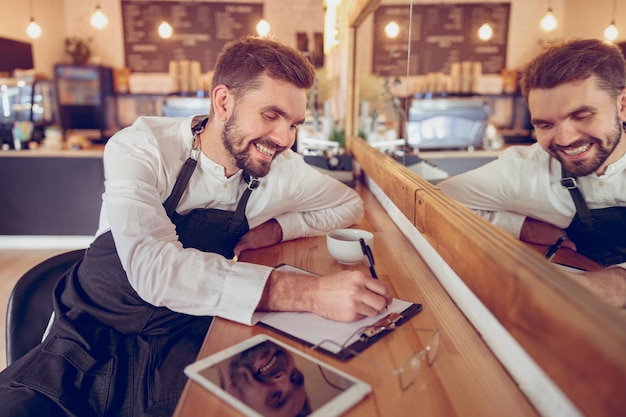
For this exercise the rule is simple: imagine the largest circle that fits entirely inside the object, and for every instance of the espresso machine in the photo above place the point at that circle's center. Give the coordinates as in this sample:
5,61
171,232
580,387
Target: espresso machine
86,99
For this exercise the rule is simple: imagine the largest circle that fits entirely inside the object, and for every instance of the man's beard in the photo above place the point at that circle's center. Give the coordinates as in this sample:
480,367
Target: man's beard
233,142
581,168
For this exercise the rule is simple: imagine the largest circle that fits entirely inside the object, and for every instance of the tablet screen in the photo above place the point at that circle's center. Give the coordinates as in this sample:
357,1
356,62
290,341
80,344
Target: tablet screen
263,377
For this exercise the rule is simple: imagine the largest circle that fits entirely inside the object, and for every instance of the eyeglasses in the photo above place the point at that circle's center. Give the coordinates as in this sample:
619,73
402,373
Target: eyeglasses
407,373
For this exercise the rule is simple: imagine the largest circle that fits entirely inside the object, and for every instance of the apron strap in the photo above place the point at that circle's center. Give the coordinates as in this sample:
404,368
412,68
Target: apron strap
179,187
240,213
569,182
198,124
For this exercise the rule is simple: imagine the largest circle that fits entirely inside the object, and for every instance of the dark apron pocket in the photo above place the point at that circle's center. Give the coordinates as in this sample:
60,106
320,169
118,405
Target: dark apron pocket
165,378
65,372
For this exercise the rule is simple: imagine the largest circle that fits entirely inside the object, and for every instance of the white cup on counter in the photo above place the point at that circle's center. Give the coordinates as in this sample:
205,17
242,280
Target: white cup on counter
344,244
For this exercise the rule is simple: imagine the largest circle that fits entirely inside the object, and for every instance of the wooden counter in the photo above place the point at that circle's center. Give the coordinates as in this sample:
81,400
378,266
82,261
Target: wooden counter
95,151
466,378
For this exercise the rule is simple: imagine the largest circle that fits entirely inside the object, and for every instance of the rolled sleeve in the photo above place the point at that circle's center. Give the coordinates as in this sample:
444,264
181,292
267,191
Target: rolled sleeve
242,291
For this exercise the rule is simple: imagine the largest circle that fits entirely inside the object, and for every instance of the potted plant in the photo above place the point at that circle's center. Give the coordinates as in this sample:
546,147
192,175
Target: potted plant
78,49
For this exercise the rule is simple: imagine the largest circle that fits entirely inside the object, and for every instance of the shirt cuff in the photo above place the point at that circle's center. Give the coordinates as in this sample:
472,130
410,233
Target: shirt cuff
243,289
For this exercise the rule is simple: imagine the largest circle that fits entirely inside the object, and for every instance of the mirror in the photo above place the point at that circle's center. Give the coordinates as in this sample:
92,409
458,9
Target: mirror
422,87
541,307
453,118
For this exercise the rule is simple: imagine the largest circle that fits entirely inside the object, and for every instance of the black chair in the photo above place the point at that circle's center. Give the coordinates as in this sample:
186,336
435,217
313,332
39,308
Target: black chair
30,303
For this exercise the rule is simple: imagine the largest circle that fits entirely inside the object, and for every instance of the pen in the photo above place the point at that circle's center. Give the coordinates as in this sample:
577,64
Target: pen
367,251
552,249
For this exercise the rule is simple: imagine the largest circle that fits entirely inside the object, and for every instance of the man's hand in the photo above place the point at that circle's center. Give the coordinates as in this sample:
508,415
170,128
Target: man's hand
609,283
542,233
266,234
345,296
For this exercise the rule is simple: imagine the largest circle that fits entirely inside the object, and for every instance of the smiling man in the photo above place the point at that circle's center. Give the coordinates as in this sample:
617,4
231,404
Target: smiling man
572,182
183,198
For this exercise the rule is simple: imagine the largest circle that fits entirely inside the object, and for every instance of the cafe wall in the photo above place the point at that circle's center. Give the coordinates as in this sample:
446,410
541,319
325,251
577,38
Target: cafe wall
67,18
50,14
587,19
62,18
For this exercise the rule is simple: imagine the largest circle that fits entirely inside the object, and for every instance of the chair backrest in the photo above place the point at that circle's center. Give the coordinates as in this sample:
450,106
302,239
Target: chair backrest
30,303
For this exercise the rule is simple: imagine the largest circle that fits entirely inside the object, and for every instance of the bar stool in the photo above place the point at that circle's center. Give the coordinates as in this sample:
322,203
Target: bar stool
30,303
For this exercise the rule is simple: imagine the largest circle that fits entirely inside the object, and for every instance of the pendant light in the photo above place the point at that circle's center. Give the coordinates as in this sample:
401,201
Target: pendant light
548,22
98,19
263,28
165,30
611,33
392,30
485,32
33,30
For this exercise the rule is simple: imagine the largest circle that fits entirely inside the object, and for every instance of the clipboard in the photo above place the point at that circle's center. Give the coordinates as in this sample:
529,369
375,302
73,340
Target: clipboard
311,329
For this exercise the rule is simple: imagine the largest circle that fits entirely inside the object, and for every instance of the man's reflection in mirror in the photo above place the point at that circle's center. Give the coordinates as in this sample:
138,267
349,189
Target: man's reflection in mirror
568,189
266,379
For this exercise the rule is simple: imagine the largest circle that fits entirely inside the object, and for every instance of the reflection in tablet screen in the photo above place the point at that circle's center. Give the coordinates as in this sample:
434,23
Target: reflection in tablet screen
274,382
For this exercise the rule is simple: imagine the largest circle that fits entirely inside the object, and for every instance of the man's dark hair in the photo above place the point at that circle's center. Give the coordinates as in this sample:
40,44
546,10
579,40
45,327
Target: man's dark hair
243,61
576,60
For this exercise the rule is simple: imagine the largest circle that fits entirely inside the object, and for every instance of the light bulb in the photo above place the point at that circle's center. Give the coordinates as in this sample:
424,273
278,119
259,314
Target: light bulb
263,28
548,22
98,19
33,30
165,30
392,30
611,33
485,32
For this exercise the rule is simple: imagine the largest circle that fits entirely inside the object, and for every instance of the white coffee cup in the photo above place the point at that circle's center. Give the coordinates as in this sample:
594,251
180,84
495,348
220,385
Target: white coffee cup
344,244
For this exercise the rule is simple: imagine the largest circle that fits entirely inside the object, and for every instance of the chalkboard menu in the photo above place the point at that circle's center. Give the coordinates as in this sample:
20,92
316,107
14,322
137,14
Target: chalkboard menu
201,29
440,35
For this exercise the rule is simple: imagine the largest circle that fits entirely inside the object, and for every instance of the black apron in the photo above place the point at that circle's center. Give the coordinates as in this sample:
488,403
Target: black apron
599,234
109,353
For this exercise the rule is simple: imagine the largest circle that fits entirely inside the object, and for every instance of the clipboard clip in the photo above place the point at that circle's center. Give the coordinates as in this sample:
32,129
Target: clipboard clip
386,323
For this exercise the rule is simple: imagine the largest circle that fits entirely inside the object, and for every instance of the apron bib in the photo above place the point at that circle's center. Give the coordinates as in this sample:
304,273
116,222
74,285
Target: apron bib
605,241
599,234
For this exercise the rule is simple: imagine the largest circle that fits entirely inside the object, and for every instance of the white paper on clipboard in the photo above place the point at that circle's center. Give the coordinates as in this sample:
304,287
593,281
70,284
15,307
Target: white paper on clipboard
313,329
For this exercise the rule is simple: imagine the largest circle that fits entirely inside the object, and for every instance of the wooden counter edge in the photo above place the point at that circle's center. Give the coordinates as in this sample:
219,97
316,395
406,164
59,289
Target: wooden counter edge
96,151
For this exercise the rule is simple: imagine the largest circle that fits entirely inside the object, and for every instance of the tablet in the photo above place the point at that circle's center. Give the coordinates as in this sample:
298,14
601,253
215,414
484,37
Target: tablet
264,377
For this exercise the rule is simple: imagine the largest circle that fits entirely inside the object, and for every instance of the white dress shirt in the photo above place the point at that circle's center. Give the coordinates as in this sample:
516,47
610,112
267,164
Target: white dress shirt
525,181
141,164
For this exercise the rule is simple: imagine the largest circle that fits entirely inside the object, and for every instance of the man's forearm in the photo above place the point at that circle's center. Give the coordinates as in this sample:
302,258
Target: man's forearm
287,291
609,283
342,296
